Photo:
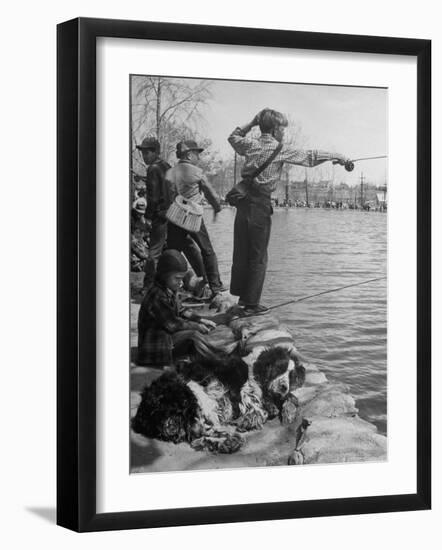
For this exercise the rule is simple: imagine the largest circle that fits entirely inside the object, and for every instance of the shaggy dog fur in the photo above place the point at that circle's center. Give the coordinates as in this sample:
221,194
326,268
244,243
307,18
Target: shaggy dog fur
209,403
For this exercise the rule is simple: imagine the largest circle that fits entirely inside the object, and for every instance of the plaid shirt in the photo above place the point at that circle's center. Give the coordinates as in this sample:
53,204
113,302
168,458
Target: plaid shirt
160,316
257,151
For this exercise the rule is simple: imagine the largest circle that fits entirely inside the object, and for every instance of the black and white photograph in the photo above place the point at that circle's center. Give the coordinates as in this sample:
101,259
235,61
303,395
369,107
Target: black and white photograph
220,285
258,273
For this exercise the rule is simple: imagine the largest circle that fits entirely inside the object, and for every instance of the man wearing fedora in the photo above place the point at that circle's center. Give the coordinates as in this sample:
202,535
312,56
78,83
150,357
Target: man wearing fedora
159,194
190,182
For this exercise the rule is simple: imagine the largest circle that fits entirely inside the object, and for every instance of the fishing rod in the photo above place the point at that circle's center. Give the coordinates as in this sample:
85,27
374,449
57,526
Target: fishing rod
350,164
296,300
370,158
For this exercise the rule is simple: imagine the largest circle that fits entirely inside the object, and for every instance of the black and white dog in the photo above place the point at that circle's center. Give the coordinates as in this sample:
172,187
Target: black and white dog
209,403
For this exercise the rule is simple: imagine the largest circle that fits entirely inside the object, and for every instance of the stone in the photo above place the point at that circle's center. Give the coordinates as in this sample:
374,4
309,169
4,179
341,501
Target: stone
314,378
269,337
253,324
305,393
222,339
334,400
342,439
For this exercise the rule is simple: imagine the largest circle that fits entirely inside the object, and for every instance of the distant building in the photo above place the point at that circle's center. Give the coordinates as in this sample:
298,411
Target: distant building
325,190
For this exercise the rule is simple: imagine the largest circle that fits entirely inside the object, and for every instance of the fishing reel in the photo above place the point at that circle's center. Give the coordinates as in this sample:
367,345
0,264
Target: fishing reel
349,165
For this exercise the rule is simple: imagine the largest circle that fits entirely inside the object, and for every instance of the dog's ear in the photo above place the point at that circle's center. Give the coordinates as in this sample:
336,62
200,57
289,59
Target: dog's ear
297,357
270,364
144,420
260,368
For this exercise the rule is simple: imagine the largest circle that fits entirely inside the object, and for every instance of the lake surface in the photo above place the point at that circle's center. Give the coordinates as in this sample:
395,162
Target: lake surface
345,332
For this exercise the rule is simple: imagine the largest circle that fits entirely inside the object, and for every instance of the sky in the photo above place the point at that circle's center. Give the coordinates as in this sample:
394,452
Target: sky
348,120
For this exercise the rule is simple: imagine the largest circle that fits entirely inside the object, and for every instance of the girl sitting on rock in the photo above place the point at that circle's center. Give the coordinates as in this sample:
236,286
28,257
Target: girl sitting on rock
165,329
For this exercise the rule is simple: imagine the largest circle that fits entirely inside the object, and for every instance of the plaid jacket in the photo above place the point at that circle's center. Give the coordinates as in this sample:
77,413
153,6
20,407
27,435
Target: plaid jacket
257,151
160,316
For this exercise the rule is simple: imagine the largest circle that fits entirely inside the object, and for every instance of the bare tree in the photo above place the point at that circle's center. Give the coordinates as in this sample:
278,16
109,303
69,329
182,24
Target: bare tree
169,109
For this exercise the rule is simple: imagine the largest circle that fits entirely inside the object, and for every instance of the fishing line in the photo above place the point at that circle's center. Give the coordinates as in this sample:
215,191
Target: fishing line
370,158
296,300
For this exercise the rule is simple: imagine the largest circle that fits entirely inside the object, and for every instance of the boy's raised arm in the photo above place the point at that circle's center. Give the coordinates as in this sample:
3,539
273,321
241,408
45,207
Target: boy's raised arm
237,138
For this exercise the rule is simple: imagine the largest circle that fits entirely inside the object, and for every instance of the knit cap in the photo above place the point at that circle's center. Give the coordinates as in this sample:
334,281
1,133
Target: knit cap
171,261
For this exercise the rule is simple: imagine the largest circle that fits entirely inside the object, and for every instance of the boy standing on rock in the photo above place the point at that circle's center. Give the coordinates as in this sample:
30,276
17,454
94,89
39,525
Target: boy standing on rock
191,183
253,216
158,195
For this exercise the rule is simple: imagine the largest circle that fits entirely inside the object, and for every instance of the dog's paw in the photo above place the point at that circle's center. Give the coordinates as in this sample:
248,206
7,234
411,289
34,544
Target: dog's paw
220,443
289,410
230,444
272,409
252,420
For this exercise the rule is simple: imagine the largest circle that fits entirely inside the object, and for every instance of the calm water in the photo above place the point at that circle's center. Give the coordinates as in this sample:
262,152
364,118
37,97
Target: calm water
344,333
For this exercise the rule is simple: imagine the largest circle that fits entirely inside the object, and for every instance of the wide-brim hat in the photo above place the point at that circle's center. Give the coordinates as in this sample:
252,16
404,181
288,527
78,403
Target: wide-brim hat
149,143
187,145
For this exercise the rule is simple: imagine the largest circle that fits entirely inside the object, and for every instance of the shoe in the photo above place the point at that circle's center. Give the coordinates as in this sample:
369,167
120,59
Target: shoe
169,368
218,290
241,303
253,310
200,288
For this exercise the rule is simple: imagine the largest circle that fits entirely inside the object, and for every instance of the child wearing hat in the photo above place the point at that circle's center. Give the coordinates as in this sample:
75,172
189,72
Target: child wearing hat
165,329
158,198
191,183
159,194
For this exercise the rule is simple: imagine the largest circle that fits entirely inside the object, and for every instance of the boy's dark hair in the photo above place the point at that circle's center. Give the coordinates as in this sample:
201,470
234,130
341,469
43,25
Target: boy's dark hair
270,119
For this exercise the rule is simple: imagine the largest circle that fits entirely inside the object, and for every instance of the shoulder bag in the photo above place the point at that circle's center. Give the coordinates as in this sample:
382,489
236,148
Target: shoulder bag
242,189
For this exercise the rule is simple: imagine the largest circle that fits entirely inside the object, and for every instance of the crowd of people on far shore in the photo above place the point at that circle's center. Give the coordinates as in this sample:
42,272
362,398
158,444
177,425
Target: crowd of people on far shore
337,205
169,236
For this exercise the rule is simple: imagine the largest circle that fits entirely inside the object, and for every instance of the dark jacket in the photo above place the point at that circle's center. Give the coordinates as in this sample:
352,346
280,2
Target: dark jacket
159,192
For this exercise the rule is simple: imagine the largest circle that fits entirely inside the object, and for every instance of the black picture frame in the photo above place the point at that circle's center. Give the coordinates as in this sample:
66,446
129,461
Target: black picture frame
76,274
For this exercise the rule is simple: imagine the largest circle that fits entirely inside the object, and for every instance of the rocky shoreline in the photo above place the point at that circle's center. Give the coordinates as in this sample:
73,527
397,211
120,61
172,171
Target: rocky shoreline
328,428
